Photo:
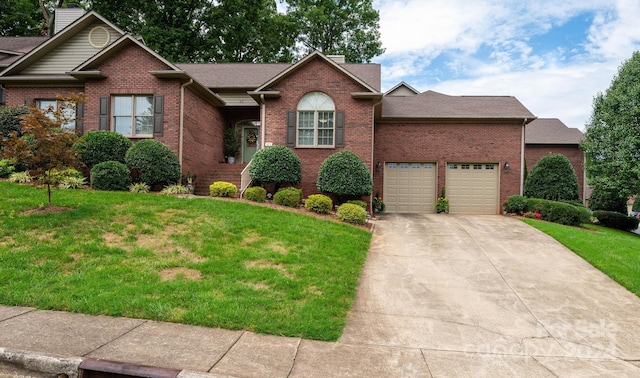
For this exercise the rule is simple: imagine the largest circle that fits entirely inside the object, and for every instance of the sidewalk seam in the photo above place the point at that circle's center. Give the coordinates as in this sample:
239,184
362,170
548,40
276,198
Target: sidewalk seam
118,337
293,362
227,352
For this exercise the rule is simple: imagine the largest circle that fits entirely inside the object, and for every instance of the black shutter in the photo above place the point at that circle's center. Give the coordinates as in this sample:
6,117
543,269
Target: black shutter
103,118
291,129
339,129
158,115
80,118
3,96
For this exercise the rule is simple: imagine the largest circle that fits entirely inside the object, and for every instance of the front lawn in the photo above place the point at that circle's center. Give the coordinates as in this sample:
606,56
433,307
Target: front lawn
614,252
196,261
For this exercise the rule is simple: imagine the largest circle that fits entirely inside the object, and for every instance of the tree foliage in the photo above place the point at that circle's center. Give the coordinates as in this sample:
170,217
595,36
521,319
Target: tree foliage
606,199
553,178
345,175
20,18
42,146
612,139
10,119
344,27
276,165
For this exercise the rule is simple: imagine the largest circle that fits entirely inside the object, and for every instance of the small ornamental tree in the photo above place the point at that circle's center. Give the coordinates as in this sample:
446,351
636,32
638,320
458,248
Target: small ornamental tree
276,165
345,175
553,178
100,146
41,145
154,163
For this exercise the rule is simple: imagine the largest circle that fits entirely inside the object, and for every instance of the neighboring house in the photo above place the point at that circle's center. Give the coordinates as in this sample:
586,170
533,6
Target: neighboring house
415,144
546,136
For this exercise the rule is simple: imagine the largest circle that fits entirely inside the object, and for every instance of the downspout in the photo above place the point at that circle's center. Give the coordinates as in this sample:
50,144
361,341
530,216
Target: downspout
263,119
373,163
181,137
522,146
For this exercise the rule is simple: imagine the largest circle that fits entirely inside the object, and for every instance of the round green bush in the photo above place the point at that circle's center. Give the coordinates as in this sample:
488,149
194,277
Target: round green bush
290,197
318,203
515,205
350,213
360,203
345,175
154,162
223,189
256,194
553,178
276,164
607,200
110,175
100,146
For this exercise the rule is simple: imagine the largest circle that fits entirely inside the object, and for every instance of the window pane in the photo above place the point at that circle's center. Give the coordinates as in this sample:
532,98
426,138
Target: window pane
144,105
325,137
123,125
305,128
122,105
305,120
305,137
144,125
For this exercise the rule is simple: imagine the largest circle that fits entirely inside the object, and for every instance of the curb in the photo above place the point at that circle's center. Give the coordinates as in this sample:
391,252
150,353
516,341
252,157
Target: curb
71,367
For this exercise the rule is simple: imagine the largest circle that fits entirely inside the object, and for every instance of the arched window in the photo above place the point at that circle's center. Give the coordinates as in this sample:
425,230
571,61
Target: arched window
316,120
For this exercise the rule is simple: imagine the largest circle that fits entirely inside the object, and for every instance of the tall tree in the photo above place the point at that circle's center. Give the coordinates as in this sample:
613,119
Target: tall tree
612,139
344,27
20,18
249,31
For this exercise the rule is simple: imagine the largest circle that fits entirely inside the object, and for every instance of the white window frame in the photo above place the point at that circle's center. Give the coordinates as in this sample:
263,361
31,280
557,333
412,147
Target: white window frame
50,105
133,115
318,108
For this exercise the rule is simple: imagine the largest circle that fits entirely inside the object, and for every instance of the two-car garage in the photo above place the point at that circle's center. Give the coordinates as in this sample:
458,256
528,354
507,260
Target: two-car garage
411,187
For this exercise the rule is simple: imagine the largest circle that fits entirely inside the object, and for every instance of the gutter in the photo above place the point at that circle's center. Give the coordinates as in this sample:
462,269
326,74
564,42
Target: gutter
181,137
522,147
373,163
263,119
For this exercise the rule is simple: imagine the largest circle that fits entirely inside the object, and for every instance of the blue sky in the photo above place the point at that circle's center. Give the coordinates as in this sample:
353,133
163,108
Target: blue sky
554,56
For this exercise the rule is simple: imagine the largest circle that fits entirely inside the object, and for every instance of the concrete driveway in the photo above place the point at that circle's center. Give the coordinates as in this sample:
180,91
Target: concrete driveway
490,296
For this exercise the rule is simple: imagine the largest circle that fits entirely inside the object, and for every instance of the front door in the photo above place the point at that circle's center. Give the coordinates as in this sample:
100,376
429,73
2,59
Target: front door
249,143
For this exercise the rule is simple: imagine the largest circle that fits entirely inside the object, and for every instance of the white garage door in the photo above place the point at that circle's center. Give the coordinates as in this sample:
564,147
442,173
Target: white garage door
410,187
472,188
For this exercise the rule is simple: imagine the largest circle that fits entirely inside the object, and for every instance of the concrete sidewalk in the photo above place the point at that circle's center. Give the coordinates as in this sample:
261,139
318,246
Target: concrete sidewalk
440,296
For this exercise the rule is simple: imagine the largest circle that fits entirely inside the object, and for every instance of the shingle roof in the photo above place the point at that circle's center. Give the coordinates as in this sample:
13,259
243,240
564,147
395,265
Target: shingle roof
15,47
253,75
434,105
551,131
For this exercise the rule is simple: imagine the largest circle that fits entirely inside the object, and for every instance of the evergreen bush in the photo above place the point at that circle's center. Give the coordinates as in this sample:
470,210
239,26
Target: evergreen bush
559,212
9,119
351,213
223,189
515,205
154,163
290,197
616,220
553,178
6,168
96,147
110,175
318,203
256,194
276,165
345,175
360,203
607,200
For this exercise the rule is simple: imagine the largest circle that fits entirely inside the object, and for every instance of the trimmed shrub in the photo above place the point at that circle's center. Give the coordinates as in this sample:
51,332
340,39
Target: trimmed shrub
318,203
360,203
276,165
256,194
290,197
99,146
616,220
553,178
6,168
9,120
345,175
154,163
110,175
223,189
559,212
515,205
607,200
351,213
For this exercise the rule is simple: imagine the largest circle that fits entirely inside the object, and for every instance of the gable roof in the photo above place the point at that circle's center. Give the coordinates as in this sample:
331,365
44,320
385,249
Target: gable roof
402,89
437,106
551,131
351,70
233,75
57,40
12,48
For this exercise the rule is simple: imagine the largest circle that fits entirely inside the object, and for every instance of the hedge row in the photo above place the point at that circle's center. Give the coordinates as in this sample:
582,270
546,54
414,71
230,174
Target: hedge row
552,211
616,220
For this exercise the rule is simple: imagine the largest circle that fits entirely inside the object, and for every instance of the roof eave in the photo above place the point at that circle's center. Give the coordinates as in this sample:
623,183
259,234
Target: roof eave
81,75
422,119
256,95
367,95
49,80
171,74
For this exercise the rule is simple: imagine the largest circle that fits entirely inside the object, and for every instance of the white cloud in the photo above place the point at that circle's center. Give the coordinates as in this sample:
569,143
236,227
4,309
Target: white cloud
484,47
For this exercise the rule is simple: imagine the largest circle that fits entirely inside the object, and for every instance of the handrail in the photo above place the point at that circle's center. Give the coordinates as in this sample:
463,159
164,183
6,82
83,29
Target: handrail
245,179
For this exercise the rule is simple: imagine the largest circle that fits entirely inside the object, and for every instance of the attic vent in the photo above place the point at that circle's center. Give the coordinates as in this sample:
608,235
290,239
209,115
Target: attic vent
99,37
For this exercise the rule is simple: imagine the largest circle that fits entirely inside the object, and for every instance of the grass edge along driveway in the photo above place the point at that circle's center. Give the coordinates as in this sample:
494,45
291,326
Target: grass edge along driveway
195,261
616,253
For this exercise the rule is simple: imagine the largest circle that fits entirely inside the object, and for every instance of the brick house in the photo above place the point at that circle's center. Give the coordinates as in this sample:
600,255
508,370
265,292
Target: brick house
413,143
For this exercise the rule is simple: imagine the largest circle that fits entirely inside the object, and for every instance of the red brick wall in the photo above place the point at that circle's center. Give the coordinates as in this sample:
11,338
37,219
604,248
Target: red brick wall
128,73
203,129
534,152
444,143
318,75
17,96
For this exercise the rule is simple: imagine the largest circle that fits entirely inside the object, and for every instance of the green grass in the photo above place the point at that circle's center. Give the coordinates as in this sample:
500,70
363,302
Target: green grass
195,261
616,253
